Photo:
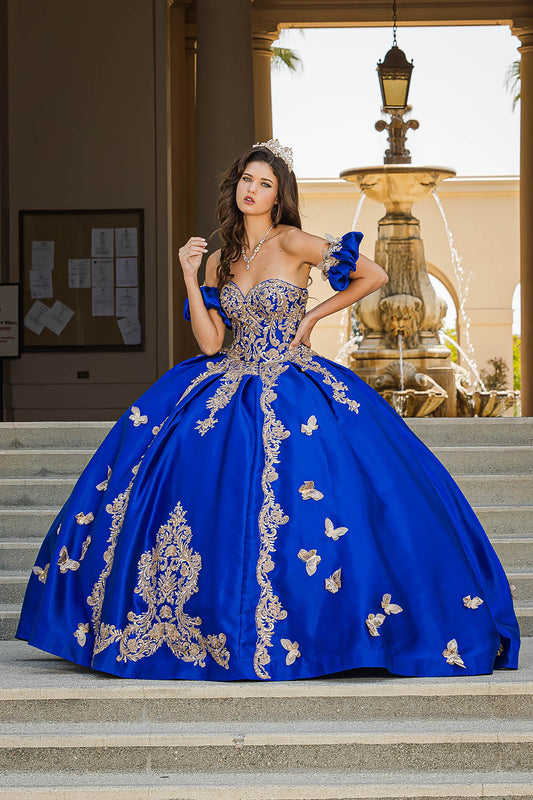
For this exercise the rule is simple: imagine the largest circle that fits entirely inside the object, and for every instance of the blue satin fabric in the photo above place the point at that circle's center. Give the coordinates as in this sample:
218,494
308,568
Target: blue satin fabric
199,516
345,254
211,299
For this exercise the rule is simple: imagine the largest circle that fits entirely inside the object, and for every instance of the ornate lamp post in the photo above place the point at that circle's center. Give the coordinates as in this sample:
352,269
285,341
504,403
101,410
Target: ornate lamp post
394,80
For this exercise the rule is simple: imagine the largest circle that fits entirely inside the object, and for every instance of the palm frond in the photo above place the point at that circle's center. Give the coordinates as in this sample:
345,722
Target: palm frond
512,81
285,57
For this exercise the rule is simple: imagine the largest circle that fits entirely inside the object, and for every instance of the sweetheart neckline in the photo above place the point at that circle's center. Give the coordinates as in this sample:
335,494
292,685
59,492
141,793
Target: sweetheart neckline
301,288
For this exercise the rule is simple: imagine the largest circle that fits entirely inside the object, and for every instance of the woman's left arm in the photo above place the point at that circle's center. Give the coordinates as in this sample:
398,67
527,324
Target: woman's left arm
365,279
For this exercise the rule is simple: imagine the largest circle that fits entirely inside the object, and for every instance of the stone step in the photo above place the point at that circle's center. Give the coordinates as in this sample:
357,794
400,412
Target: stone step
496,489
69,435
35,522
516,489
474,432
43,463
13,585
434,432
20,554
10,612
48,462
522,581
505,520
38,492
40,688
230,746
314,784
486,460
24,523
514,553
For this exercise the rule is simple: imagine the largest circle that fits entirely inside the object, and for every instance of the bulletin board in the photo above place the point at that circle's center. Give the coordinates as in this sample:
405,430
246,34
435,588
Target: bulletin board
82,279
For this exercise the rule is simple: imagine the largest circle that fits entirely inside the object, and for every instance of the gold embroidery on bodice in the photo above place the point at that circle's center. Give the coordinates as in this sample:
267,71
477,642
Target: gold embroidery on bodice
264,320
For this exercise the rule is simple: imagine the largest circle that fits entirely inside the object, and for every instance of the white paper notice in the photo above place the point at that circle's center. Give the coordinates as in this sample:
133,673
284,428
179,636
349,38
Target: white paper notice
102,272
102,242
34,318
103,301
58,317
126,272
126,241
130,330
42,255
41,283
127,303
79,273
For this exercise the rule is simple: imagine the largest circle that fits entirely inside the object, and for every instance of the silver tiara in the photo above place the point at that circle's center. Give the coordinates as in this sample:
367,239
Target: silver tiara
275,147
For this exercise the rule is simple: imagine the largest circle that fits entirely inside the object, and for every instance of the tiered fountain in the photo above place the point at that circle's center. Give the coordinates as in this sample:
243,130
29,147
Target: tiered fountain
401,354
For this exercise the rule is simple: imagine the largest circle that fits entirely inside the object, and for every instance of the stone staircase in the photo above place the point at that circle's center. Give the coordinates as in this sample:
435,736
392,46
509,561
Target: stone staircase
66,732
491,459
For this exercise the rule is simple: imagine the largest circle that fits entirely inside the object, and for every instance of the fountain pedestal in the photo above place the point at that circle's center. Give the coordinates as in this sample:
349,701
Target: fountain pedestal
407,304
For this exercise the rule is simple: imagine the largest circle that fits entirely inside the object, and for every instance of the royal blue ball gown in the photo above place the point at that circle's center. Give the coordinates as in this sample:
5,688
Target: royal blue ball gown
264,514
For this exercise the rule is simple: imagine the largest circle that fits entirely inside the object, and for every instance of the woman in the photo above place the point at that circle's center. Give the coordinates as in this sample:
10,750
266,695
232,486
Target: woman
261,512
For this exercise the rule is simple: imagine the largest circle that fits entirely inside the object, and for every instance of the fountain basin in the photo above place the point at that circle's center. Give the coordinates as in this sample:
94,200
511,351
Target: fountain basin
397,186
413,403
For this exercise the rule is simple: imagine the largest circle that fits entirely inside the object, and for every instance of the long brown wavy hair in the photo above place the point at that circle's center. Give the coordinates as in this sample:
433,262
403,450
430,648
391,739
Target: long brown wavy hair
232,232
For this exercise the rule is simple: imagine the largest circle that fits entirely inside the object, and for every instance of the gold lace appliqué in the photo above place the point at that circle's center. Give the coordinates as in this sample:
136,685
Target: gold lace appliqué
226,389
328,259
104,636
271,516
303,357
167,578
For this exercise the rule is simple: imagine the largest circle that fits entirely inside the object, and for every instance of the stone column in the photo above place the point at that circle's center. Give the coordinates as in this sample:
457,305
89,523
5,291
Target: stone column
182,55
262,50
524,31
225,120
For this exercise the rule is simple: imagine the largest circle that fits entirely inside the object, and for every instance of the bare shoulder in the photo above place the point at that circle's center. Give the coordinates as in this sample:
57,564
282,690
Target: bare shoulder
211,265
297,242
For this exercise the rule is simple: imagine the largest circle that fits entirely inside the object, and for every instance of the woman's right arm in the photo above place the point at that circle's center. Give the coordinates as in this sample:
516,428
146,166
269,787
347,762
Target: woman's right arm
207,324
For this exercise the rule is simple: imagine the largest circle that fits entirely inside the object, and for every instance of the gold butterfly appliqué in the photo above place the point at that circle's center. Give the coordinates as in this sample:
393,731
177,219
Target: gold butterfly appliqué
333,532
293,648
136,417
66,563
41,572
451,654
309,426
311,559
103,486
84,519
308,491
333,583
472,602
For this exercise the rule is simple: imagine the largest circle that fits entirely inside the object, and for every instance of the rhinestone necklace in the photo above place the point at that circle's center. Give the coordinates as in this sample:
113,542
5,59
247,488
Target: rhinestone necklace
249,260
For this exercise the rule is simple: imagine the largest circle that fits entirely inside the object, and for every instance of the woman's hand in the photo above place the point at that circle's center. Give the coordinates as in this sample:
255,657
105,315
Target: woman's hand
303,331
190,255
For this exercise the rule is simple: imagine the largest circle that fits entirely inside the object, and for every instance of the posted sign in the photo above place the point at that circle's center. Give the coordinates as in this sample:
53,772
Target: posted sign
9,320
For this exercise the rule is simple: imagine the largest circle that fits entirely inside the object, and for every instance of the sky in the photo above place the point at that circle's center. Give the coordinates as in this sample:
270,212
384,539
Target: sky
326,112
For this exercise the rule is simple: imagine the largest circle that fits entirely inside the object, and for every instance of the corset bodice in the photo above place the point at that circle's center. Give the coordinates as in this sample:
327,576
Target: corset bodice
265,320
